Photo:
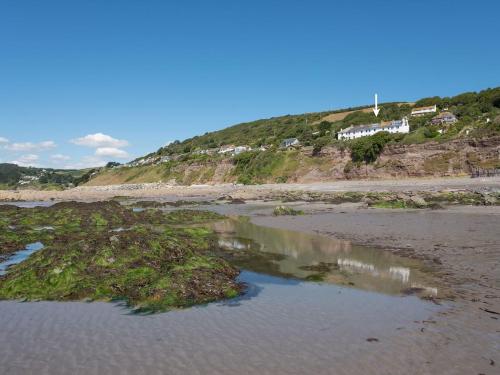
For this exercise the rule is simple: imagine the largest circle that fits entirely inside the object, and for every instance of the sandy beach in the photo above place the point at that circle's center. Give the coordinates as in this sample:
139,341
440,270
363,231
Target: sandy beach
456,333
161,190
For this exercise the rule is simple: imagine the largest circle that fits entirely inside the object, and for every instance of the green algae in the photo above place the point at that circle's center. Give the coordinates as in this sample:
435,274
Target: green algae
105,251
286,211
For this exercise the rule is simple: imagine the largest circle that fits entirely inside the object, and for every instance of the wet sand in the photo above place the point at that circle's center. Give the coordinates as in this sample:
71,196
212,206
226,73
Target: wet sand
462,244
286,328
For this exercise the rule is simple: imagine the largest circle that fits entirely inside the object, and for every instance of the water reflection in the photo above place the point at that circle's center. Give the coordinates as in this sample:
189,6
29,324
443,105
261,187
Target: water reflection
331,260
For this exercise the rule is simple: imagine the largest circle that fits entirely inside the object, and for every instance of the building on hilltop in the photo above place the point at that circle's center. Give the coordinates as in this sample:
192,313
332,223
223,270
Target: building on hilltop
289,142
358,131
421,111
227,149
240,149
444,118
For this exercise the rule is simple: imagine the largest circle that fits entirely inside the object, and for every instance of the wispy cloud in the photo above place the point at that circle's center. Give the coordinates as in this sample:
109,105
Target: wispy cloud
60,157
86,162
29,160
112,152
30,146
99,140
3,140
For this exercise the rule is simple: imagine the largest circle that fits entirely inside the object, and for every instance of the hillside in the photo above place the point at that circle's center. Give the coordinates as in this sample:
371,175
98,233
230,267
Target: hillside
14,176
429,149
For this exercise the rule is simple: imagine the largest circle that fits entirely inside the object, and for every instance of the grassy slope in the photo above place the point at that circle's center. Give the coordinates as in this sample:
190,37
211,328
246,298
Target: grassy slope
274,165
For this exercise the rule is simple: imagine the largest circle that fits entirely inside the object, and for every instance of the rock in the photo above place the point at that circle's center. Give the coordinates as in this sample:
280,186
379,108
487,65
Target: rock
489,199
418,201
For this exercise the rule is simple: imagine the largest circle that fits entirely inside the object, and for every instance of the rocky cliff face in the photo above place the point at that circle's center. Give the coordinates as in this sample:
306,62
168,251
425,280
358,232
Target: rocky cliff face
432,159
453,158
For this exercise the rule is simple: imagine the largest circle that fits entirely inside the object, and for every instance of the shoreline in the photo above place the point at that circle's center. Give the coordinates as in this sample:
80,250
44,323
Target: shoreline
156,190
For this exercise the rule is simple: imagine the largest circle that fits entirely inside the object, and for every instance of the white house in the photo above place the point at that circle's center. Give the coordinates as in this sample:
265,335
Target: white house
352,132
240,149
421,111
227,149
289,142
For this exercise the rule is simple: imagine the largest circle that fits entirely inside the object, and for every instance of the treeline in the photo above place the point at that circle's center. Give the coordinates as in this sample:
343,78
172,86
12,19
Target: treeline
470,104
12,174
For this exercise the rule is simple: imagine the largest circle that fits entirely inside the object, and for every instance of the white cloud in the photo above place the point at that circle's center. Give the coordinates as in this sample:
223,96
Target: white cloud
30,146
86,162
4,140
112,152
28,160
60,157
99,140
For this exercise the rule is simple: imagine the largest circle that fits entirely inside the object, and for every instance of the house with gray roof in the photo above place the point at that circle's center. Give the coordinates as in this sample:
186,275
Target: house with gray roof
358,131
444,118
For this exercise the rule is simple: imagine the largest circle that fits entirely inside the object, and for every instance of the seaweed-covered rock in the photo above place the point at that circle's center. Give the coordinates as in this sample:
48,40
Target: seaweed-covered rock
153,260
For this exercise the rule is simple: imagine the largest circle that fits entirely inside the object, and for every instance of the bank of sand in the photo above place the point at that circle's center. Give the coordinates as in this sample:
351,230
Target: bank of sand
461,244
155,190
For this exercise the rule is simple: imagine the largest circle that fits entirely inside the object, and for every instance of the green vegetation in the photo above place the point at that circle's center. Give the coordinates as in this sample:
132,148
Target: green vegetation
12,176
152,260
367,149
392,199
286,211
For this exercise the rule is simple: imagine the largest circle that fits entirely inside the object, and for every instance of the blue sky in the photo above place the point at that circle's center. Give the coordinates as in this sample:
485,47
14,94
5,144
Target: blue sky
85,82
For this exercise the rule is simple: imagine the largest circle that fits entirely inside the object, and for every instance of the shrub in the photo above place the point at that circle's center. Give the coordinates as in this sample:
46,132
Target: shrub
319,144
368,149
431,131
286,211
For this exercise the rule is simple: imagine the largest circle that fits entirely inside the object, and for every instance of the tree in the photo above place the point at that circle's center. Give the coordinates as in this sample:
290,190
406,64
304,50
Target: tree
368,149
319,144
324,126
427,102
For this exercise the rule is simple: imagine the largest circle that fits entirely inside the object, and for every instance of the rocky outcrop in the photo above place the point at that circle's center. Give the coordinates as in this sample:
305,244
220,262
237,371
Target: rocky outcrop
431,159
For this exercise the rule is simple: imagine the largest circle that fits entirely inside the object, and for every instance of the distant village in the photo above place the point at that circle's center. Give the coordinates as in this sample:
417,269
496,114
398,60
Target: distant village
352,132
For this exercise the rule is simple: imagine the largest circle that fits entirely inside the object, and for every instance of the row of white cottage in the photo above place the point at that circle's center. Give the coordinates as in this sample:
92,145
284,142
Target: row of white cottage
357,131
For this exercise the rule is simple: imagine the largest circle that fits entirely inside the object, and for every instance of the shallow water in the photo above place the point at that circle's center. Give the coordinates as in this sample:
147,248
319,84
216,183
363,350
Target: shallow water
357,266
19,256
30,204
282,327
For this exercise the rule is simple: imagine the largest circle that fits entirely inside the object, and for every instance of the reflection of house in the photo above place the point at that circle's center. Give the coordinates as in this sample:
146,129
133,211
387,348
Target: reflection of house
240,149
289,142
421,111
399,126
402,273
444,118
